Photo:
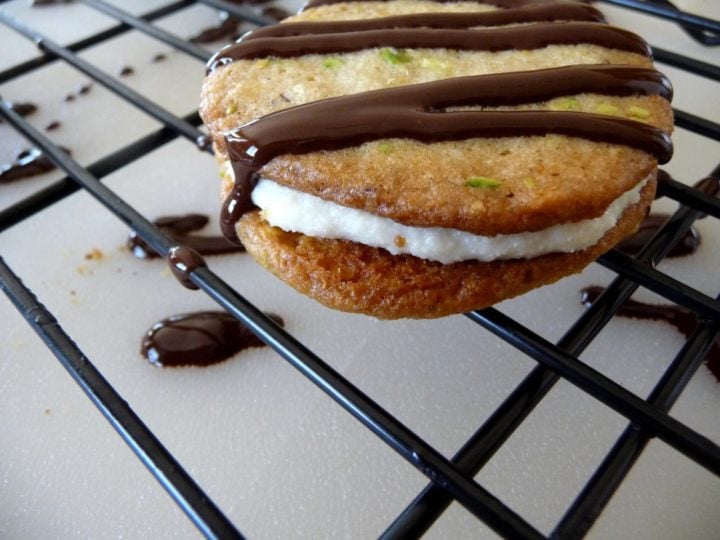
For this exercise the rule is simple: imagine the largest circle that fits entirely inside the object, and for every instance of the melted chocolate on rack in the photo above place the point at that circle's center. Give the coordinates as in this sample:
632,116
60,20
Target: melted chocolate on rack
684,320
502,4
533,13
28,163
226,30
85,89
180,229
126,71
527,37
159,57
52,126
70,97
183,261
198,339
416,112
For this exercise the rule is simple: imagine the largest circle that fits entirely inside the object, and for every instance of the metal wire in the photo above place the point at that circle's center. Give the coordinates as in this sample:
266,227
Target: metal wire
141,102
178,483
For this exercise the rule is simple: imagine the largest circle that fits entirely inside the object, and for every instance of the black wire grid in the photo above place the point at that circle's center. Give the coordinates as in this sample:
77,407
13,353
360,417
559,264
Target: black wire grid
451,479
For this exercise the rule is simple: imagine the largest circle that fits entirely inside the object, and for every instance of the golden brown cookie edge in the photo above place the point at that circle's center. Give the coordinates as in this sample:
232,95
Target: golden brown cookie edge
355,278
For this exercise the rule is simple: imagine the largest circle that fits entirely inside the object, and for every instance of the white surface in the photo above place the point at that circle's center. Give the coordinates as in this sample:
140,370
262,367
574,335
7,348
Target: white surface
278,456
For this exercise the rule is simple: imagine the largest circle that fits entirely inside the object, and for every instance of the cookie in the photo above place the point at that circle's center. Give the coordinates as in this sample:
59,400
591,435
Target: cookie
412,158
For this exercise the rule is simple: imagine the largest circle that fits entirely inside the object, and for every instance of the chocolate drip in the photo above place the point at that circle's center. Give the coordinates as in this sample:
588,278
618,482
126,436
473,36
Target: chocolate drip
416,112
159,57
198,339
179,228
534,36
533,13
684,320
688,244
28,163
52,126
125,71
183,261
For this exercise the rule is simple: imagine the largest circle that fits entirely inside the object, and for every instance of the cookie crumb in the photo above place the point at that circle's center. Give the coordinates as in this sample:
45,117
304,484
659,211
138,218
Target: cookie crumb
94,255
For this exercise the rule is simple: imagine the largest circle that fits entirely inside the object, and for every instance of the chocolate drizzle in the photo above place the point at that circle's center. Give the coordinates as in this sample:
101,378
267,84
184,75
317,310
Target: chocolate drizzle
527,37
527,14
684,320
180,229
417,112
198,339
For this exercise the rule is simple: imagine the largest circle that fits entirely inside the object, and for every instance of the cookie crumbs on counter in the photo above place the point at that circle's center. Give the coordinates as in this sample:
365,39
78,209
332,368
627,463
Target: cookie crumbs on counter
94,254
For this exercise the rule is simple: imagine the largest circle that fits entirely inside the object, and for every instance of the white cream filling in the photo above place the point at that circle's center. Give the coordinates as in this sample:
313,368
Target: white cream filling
295,211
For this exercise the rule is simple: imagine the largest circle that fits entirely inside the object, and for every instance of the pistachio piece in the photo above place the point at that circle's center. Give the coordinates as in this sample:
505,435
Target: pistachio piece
394,56
482,182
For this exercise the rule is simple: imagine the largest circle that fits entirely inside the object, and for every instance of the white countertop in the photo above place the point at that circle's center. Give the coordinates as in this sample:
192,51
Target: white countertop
276,454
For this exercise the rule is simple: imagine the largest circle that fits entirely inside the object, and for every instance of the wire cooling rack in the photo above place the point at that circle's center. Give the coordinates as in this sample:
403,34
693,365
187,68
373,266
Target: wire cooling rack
451,479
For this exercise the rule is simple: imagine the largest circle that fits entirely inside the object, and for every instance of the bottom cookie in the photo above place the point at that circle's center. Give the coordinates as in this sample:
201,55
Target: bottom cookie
352,277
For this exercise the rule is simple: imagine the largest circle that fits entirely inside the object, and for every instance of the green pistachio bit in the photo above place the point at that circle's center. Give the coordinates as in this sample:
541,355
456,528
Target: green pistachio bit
433,64
565,104
385,148
232,108
333,62
394,56
638,112
483,182
606,108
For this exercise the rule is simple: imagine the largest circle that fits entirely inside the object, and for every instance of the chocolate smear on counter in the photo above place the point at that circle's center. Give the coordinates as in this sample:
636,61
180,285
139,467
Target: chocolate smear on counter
198,339
125,71
70,97
28,163
23,108
159,57
52,126
183,261
684,320
180,229
84,89
226,30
